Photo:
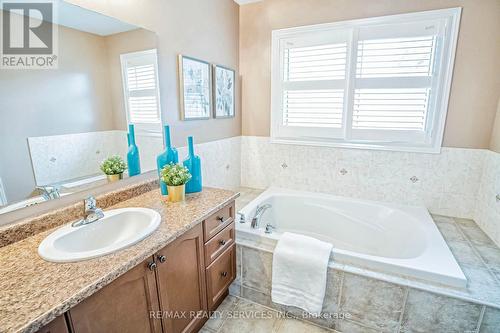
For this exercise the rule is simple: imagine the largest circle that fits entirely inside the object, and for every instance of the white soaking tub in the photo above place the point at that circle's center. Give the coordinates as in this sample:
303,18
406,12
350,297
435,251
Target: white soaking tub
394,239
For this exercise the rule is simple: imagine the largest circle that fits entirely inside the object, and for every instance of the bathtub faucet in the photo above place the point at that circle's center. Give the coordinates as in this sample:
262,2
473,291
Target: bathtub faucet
258,214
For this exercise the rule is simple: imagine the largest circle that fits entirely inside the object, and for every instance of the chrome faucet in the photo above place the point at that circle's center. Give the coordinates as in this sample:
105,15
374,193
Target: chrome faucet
91,213
258,215
49,192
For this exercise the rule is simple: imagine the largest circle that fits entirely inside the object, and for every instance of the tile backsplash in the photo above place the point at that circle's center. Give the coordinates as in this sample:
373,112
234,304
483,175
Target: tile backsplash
63,157
487,209
445,183
59,158
220,160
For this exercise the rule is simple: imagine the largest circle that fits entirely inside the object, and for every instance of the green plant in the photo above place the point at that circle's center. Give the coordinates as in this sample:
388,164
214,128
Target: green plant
113,165
175,174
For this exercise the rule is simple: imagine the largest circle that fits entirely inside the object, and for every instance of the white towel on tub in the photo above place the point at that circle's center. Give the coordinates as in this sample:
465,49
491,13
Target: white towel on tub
300,266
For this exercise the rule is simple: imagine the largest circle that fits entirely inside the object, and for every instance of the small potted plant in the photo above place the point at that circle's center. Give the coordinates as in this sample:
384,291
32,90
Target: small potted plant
175,176
113,167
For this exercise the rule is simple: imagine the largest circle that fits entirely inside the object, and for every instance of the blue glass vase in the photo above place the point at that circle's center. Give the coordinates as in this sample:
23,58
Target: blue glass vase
193,163
170,155
133,159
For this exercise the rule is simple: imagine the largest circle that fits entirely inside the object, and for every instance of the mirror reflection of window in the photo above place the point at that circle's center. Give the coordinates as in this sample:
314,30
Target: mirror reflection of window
140,89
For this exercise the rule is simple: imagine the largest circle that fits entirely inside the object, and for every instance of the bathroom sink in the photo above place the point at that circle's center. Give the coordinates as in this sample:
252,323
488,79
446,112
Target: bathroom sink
118,229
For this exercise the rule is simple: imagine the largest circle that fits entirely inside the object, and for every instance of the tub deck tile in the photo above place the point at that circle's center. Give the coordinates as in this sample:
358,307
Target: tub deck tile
376,304
426,312
491,321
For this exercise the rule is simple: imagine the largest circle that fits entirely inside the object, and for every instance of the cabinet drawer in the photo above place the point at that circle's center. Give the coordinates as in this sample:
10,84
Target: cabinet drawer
219,275
218,221
219,243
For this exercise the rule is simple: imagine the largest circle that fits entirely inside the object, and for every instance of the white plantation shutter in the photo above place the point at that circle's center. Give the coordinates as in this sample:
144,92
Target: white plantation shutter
394,80
140,84
315,63
395,57
390,109
313,108
313,84
379,82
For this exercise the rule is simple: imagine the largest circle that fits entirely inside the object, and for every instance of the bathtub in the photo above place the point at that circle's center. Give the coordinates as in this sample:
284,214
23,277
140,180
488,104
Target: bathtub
387,238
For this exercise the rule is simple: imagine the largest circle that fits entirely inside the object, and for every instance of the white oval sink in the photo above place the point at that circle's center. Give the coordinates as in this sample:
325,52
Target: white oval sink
118,229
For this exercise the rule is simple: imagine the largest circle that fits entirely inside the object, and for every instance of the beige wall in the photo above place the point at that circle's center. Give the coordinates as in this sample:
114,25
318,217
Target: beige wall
476,78
75,98
117,44
199,28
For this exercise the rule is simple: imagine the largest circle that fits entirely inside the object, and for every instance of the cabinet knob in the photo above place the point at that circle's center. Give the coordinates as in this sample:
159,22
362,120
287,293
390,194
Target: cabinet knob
152,266
220,219
223,274
222,242
162,259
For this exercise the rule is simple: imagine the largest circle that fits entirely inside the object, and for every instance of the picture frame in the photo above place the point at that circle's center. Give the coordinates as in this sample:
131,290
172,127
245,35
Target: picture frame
224,91
195,88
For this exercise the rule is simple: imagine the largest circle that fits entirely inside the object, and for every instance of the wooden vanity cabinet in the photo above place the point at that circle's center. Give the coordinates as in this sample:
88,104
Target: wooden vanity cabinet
181,283
172,291
122,306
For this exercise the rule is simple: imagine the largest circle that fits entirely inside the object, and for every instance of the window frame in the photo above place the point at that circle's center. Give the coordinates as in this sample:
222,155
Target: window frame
145,129
449,21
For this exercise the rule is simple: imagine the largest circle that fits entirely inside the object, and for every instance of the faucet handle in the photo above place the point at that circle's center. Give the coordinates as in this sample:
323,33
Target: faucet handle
90,203
269,228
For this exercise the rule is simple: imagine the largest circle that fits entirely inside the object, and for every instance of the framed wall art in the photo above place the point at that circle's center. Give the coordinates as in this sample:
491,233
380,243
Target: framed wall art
195,85
224,85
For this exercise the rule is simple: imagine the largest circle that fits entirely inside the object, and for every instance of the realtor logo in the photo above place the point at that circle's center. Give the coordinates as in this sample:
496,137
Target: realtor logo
28,35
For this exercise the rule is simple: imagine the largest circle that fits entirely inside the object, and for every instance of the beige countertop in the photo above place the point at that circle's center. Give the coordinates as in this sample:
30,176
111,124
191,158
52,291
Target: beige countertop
34,291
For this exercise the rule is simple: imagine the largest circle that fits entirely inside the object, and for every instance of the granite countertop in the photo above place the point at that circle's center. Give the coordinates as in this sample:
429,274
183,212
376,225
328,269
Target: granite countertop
33,291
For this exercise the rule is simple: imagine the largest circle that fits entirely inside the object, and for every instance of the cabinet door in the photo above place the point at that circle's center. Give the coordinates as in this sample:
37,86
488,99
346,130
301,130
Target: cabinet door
57,325
125,305
181,283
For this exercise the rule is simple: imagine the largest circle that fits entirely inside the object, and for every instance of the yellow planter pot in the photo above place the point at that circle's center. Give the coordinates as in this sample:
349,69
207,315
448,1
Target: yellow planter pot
114,178
176,193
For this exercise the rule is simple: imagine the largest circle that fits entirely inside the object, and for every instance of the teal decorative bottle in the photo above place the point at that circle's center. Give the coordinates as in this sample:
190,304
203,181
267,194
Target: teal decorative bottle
193,163
170,155
133,160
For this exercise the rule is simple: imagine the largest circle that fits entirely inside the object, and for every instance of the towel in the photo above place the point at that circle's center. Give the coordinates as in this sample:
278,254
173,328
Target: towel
300,266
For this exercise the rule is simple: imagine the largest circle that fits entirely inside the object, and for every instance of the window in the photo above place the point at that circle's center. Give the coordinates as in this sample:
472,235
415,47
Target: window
141,91
380,83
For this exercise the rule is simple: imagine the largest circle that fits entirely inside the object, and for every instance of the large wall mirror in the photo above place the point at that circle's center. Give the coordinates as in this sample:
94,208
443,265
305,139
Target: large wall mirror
58,125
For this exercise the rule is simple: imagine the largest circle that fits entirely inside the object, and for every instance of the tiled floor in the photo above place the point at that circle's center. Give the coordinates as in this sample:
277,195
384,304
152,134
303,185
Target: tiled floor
237,315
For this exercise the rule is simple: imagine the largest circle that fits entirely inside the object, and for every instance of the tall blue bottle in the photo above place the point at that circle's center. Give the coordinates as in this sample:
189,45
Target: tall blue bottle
133,159
168,156
193,163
